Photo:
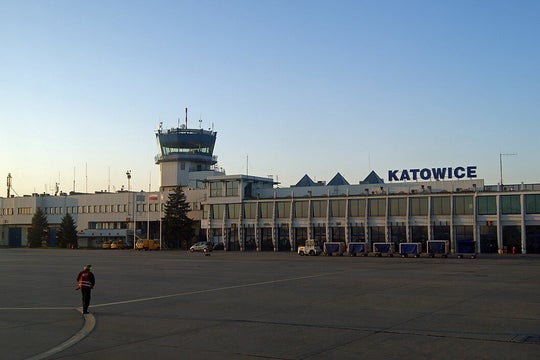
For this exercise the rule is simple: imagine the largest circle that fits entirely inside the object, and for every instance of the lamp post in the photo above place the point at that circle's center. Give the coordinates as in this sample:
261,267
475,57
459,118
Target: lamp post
501,165
128,174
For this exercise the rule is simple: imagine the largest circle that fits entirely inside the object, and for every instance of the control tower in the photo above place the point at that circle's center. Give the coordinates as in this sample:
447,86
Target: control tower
186,156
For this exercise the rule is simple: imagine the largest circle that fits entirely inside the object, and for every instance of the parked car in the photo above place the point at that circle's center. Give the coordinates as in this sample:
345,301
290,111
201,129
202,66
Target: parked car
106,244
146,244
118,244
201,246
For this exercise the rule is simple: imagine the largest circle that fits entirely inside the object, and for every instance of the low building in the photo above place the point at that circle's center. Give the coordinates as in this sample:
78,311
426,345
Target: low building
243,213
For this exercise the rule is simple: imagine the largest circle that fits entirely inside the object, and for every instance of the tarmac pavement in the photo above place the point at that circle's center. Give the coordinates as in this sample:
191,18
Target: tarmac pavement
232,305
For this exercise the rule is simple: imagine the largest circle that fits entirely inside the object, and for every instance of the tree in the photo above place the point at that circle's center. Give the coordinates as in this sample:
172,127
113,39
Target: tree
67,233
177,226
37,233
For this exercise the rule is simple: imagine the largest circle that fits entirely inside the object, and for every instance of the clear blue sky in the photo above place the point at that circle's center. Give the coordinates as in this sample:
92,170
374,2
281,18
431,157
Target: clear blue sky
291,87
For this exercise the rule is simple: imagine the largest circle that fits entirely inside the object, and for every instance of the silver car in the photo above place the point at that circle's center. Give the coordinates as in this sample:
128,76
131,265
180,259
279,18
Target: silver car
201,246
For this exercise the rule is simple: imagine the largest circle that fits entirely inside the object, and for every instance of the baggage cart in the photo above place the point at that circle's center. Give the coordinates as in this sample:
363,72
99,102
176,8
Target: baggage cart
331,248
380,248
466,248
354,248
413,249
437,247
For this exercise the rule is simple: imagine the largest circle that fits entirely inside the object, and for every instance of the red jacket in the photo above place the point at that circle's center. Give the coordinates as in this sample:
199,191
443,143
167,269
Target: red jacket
86,279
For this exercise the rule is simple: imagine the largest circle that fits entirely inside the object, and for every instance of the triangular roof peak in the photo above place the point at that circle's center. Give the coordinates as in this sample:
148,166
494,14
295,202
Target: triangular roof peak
373,178
338,179
305,181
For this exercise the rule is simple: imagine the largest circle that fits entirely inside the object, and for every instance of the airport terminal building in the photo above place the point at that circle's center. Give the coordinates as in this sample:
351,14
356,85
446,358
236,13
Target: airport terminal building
251,213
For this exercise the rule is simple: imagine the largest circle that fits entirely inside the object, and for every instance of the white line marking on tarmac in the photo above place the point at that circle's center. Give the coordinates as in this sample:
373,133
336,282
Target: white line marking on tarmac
214,289
89,323
37,308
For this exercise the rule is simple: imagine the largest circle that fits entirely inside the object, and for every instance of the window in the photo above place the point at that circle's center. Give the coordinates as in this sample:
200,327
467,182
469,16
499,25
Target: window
464,232
319,208
532,204
231,188
397,207
216,189
283,209
205,212
301,209
233,211
357,234
487,205
337,208
419,206
266,209
419,234
217,211
377,234
357,208
510,204
250,210
463,205
440,205
319,233
24,211
441,232
398,234
377,207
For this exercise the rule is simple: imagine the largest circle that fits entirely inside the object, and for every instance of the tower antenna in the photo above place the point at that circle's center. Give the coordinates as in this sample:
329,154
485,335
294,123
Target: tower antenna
8,184
186,118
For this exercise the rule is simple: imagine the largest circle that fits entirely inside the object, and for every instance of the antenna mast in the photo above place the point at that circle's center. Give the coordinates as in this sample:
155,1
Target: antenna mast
8,184
186,118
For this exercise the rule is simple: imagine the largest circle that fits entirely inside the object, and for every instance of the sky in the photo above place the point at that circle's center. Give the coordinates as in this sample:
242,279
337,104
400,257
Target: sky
292,88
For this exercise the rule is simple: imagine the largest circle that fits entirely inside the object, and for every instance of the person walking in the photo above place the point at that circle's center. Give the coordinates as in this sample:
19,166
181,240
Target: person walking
86,282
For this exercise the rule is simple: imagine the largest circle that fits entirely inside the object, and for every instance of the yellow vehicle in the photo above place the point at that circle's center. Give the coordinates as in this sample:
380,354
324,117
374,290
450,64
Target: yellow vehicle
106,244
147,244
118,244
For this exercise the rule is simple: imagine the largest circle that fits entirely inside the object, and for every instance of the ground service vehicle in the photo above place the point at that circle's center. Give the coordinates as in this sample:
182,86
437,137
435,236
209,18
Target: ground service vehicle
380,248
354,248
437,247
310,248
146,244
466,248
334,247
413,249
